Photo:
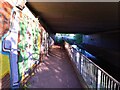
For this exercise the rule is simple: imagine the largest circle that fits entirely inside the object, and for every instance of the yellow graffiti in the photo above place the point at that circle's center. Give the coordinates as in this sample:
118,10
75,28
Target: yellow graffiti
4,65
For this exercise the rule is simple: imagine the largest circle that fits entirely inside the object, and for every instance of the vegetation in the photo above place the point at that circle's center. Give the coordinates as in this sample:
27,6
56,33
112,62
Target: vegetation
70,38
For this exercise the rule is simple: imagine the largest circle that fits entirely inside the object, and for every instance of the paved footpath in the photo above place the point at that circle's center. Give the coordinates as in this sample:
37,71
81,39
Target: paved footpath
55,72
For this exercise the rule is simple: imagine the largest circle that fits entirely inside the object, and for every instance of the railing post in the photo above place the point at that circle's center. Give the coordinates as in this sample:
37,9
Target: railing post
80,62
99,79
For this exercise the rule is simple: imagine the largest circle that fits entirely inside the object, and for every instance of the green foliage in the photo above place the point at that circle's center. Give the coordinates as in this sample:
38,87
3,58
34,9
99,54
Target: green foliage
78,38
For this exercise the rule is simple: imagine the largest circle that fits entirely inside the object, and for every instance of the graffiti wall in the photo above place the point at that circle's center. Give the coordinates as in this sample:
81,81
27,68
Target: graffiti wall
5,14
28,44
44,41
21,36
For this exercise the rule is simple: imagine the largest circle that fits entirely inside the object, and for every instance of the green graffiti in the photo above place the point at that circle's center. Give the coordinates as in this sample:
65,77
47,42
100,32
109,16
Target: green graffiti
29,45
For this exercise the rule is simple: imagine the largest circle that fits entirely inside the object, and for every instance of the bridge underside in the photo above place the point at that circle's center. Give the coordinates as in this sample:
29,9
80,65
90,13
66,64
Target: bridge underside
77,17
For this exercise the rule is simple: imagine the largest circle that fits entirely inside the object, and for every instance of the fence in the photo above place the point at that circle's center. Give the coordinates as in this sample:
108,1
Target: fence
93,75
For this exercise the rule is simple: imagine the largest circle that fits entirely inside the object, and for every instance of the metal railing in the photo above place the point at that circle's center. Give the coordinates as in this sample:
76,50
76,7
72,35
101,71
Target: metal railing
93,75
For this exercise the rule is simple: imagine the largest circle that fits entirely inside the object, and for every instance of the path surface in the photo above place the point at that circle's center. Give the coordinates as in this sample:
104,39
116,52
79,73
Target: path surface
55,72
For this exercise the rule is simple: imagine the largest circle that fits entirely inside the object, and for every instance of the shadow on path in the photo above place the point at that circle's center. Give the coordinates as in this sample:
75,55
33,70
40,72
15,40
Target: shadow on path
55,72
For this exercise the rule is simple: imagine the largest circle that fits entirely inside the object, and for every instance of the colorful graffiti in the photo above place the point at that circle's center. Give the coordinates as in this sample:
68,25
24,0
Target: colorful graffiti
5,14
28,44
21,37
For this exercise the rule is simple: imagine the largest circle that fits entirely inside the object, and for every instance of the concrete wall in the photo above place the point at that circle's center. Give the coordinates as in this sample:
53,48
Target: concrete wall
109,43
108,40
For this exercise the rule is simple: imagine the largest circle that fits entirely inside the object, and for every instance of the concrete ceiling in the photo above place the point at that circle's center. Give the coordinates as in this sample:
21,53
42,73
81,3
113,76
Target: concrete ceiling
77,17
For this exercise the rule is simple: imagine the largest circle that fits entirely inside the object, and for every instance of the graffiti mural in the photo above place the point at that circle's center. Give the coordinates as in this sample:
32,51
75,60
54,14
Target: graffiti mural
5,14
29,40
21,37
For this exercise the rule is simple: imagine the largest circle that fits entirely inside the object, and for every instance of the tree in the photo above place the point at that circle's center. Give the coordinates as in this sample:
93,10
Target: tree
78,38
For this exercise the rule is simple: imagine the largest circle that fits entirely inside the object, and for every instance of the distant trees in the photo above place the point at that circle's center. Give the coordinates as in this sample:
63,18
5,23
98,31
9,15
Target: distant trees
78,38
70,38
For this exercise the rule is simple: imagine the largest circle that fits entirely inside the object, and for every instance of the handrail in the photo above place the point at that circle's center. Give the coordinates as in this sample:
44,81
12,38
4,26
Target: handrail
102,70
94,74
